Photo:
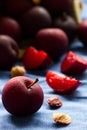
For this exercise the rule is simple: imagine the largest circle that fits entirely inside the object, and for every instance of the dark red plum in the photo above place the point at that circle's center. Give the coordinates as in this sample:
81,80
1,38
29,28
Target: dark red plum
22,96
82,32
35,19
56,7
68,25
9,51
10,27
53,41
15,8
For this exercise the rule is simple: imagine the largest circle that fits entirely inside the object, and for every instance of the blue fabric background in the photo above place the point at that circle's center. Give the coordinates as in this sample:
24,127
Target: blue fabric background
75,105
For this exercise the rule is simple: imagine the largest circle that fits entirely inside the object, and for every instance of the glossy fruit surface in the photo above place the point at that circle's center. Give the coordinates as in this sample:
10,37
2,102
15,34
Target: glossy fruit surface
22,96
73,64
34,59
61,83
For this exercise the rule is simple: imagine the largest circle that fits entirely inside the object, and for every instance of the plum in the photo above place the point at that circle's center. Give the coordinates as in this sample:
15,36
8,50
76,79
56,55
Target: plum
22,95
54,41
67,24
56,7
15,8
82,32
9,51
9,26
35,19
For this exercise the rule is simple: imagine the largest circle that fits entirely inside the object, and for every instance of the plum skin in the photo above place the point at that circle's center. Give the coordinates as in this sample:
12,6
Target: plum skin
82,32
10,27
20,100
52,40
35,19
67,24
15,9
56,7
9,51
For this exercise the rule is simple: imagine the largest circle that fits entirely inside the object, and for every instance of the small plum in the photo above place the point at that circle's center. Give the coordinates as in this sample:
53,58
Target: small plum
22,96
56,7
15,8
67,24
82,32
35,19
54,41
10,27
9,51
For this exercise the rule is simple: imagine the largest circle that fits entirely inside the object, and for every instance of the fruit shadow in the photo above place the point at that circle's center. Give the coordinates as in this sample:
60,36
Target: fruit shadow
72,96
69,96
33,121
52,107
79,48
43,72
81,77
58,125
38,72
25,121
4,74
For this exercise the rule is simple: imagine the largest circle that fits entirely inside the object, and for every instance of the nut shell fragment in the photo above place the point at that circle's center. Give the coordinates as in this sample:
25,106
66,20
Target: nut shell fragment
62,118
54,101
17,71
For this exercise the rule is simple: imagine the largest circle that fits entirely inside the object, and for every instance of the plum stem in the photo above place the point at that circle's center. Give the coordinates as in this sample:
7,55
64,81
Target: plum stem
35,81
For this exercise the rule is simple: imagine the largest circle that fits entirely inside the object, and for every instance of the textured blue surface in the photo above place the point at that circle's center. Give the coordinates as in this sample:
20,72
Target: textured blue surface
75,105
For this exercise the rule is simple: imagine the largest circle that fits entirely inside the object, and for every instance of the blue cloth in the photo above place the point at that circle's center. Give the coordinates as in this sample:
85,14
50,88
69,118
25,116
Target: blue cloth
74,105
